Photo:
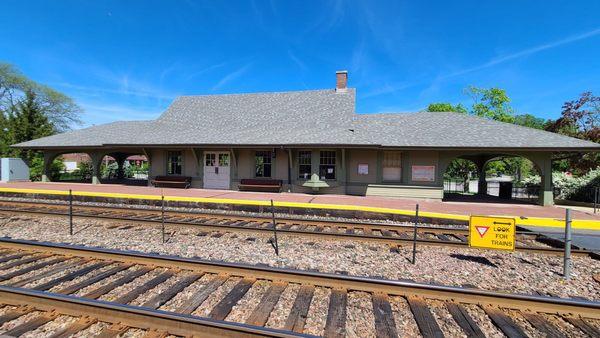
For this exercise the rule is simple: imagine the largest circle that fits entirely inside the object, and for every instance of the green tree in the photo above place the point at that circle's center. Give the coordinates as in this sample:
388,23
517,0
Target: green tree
37,165
30,110
579,118
492,103
528,120
27,122
4,137
446,107
84,170
461,169
517,167
60,110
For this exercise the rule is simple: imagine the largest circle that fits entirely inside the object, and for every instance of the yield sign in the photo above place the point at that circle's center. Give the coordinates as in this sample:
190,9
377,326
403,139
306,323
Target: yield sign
481,230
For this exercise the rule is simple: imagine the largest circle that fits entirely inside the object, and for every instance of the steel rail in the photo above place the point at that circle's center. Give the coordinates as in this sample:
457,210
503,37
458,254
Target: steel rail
135,316
289,218
569,307
390,240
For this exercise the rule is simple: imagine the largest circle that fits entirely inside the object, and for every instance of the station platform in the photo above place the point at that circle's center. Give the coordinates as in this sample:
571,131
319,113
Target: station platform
526,214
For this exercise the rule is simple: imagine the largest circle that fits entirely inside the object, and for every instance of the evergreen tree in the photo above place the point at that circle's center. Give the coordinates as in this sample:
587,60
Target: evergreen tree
30,110
27,122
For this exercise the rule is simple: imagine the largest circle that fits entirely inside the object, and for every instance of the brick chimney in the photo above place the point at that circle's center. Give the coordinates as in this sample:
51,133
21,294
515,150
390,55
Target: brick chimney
341,81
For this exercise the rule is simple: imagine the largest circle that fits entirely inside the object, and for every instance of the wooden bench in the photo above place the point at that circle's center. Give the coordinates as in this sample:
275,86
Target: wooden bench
260,184
172,181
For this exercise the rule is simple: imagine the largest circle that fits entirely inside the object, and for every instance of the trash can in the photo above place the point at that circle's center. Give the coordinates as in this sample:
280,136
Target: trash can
505,190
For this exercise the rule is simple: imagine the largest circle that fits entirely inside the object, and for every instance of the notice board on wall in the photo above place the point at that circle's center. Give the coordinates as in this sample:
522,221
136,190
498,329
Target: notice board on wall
363,169
423,173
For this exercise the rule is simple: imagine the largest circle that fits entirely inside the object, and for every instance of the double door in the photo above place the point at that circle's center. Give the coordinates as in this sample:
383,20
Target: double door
217,169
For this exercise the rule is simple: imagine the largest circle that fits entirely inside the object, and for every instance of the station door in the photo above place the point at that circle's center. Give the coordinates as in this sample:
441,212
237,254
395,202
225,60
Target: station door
217,169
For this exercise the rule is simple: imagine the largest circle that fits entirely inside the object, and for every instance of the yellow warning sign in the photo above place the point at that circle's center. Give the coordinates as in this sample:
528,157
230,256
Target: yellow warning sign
492,232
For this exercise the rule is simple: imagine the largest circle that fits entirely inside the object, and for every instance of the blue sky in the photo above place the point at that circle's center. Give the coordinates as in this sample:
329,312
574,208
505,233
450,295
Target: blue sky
126,60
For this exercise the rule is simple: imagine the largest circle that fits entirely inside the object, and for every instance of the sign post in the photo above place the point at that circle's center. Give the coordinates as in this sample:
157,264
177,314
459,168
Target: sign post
275,243
568,239
414,252
492,233
70,212
162,216
596,198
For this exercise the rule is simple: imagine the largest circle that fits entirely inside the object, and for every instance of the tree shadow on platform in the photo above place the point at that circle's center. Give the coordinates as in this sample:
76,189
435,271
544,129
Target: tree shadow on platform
476,259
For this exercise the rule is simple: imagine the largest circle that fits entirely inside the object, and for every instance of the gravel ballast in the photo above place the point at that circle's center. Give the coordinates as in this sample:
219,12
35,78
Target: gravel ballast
516,272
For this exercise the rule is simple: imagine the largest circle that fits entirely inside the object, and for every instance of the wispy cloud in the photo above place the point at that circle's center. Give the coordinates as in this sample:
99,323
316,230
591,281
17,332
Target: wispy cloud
124,90
357,56
388,88
206,70
167,71
103,113
296,60
231,76
331,17
526,52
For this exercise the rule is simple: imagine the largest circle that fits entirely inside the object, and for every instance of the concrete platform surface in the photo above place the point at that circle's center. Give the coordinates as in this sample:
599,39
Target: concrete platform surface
435,206
585,239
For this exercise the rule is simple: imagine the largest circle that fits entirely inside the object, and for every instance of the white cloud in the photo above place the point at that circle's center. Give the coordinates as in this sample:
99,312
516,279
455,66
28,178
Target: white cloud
231,76
393,87
526,52
95,113
125,90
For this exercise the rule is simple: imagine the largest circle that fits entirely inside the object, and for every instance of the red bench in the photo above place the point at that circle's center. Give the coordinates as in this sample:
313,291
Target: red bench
172,181
260,184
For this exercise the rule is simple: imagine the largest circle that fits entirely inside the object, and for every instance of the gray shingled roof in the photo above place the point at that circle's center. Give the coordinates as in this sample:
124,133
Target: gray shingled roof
323,117
455,130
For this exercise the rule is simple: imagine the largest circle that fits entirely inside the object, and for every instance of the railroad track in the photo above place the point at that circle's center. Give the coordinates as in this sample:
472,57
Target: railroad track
180,296
28,311
383,233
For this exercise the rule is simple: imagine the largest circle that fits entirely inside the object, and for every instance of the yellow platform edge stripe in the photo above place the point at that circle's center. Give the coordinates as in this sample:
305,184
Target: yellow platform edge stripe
525,221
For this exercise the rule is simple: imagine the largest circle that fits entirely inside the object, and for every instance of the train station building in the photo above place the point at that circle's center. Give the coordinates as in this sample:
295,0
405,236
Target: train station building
310,141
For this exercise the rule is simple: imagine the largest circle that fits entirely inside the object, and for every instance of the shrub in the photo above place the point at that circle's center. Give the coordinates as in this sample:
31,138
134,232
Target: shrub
569,187
84,170
36,167
109,171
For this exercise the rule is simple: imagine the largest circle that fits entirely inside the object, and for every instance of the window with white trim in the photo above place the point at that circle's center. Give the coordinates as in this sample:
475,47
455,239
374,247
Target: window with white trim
209,159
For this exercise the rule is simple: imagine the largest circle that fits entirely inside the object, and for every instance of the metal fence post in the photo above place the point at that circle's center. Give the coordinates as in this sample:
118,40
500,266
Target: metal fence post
162,216
596,198
70,212
276,244
567,257
414,253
